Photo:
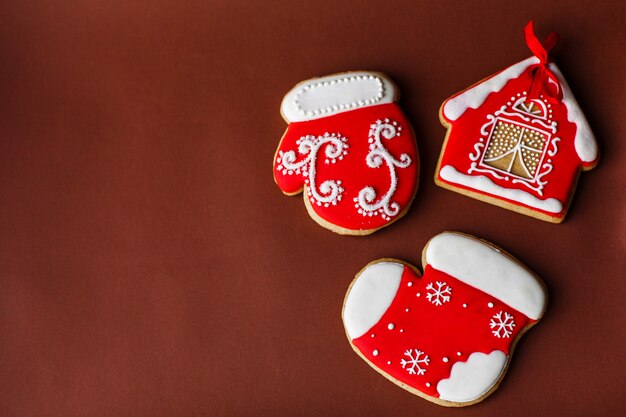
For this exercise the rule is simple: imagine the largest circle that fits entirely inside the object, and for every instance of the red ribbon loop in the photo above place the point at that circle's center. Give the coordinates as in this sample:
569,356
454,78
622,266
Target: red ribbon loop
544,81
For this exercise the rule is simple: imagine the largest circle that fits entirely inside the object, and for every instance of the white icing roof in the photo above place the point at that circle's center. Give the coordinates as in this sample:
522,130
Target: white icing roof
584,142
474,97
325,96
482,266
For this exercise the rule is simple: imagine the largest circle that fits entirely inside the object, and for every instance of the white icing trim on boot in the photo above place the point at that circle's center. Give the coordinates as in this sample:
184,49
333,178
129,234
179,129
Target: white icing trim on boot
371,295
333,94
472,379
482,266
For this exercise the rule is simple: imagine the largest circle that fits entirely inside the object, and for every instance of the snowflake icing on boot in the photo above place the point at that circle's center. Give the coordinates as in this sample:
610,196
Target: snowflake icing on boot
440,293
503,324
412,365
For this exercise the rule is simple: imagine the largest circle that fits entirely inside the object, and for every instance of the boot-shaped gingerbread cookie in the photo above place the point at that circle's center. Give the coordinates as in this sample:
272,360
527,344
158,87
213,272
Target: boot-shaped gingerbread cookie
447,336
351,150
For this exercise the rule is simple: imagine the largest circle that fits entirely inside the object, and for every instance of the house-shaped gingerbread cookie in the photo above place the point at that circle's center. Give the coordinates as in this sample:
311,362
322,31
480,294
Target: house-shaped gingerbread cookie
517,139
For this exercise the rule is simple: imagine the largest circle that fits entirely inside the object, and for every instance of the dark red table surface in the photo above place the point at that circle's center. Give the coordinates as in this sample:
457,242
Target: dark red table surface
149,266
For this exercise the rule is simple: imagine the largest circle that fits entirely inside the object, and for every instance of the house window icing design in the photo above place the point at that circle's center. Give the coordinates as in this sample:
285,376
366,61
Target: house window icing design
517,143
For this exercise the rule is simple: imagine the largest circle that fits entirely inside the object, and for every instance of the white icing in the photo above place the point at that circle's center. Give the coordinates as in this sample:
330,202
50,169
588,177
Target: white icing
506,135
370,297
584,141
472,379
391,326
366,200
439,293
329,192
502,325
482,183
325,96
488,270
474,96
416,362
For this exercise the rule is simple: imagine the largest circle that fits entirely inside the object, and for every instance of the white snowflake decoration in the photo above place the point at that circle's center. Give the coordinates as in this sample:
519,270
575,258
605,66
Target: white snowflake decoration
440,293
503,324
368,202
416,358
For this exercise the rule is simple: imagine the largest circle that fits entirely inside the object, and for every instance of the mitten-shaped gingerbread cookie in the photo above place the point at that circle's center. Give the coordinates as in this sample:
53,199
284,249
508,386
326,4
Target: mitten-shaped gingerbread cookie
448,335
518,139
351,150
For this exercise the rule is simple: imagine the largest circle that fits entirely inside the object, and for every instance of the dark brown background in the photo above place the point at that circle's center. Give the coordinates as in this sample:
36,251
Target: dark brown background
149,266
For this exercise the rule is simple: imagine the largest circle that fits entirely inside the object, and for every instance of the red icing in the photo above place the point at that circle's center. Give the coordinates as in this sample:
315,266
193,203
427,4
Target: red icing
353,170
465,133
440,331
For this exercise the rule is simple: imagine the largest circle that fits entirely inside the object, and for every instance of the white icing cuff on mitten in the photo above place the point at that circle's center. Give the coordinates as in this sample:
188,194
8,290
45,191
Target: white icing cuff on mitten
487,269
370,297
325,96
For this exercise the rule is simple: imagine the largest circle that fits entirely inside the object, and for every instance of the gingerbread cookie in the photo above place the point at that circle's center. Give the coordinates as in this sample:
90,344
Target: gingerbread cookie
351,150
518,139
446,336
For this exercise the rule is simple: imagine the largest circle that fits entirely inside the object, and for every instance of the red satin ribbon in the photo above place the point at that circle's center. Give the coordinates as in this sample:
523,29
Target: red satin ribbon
544,81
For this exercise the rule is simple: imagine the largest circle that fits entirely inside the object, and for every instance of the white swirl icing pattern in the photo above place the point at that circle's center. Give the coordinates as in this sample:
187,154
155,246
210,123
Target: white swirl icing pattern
366,202
336,147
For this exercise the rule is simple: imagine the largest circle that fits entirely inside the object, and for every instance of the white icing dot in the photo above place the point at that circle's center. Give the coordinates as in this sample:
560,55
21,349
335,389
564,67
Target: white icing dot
391,326
410,284
490,305
401,330
464,305
373,335
445,359
428,384
388,362
458,354
407,310
375,352
418,294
